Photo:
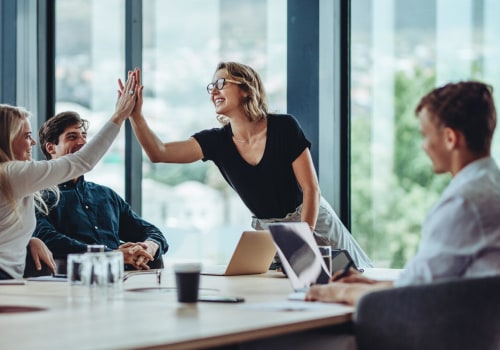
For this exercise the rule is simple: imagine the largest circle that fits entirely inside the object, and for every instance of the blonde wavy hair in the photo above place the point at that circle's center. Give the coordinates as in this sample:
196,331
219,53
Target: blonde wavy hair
11,123
255,104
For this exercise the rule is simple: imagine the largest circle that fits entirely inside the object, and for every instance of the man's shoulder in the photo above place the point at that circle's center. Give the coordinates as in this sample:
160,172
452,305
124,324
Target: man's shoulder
481,191
480,178
98,187
102,190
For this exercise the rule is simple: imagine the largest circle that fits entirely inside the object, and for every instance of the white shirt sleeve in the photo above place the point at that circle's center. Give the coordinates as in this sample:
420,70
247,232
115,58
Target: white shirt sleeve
28,177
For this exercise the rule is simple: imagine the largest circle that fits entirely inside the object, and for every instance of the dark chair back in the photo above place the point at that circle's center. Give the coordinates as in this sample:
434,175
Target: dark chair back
454,314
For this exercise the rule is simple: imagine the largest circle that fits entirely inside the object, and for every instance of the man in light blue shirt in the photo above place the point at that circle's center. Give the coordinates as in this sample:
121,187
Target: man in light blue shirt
461,234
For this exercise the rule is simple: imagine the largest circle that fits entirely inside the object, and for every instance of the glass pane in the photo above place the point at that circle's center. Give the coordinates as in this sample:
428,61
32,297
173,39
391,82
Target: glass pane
183,42
89,59
399,51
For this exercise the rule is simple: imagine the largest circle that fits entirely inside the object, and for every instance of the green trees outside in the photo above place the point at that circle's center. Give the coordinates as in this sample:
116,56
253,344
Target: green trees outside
387,213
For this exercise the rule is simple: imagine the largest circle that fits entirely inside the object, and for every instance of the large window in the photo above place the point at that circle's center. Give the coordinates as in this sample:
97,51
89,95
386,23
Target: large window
182,43
89,59
401,49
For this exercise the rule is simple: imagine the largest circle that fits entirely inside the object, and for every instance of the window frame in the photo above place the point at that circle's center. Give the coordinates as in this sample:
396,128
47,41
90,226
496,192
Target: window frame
321,105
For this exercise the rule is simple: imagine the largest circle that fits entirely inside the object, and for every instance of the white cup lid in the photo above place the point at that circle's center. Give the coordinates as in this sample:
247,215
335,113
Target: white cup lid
187,267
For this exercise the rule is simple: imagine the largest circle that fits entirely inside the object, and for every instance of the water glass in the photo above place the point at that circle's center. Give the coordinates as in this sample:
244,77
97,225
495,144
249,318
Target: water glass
96,276
326,254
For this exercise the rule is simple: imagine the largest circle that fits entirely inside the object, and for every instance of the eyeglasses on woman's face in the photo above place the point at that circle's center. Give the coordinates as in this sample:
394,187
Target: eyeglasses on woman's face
219,84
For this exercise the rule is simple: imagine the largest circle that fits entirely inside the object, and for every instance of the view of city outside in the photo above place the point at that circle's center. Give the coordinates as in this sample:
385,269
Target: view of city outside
183,41
89,60
399,51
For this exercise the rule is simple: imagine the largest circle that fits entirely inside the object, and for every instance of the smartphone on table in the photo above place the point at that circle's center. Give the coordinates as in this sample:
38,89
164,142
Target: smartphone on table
220,299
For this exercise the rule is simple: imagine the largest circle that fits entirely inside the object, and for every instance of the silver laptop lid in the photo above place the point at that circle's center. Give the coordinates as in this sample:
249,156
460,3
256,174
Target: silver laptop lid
299,254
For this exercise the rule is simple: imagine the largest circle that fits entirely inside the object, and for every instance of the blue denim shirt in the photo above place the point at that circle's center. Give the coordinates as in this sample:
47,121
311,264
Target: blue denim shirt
88,213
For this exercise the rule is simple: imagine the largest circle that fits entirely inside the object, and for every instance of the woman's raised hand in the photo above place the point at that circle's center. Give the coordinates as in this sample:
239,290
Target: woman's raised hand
127,97
137,111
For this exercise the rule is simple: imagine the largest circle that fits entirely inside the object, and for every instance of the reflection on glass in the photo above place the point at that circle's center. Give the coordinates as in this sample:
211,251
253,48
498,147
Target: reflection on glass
183,42
200,215
89,59
399,51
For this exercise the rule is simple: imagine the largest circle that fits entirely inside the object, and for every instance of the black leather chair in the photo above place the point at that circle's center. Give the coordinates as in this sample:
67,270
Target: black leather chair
453,314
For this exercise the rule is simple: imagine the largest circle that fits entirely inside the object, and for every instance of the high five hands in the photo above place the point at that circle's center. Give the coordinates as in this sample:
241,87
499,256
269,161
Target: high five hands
123,89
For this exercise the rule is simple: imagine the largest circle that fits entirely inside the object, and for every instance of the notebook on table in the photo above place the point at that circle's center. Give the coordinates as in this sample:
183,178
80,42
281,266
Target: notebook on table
300,257
253,254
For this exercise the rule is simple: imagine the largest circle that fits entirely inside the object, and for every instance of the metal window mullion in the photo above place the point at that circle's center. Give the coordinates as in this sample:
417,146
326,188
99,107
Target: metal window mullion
8,43
133,58
343,93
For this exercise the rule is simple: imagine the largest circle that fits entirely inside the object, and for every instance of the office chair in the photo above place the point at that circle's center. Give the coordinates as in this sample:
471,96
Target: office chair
453,314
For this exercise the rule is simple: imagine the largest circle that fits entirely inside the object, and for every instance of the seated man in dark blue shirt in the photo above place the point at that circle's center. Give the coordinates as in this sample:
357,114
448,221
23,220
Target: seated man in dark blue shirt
88,213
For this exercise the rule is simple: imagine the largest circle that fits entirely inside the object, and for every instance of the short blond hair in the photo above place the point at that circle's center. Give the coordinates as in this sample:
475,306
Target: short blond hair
255,104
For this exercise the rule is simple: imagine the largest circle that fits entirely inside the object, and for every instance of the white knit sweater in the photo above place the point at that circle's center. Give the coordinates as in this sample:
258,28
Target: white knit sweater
28,177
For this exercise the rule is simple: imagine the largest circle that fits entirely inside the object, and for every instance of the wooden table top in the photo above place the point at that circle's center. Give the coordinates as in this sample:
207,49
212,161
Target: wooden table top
154,319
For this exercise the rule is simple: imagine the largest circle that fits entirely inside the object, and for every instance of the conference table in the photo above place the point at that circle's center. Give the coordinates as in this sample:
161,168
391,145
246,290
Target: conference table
146,315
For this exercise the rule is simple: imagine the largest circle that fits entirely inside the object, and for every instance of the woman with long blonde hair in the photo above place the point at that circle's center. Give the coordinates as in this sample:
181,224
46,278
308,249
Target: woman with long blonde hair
21,178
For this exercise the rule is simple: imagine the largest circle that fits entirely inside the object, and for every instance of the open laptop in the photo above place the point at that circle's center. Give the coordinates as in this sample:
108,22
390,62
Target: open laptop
300,256
253,254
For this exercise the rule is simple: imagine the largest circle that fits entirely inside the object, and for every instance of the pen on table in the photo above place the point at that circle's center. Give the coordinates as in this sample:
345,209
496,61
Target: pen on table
158,277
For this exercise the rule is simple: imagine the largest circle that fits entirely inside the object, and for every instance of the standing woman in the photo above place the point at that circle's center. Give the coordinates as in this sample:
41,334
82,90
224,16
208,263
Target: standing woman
264,157
21,178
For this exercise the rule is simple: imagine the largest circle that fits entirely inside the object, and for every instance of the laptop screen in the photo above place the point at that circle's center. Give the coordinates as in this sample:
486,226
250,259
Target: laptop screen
299,254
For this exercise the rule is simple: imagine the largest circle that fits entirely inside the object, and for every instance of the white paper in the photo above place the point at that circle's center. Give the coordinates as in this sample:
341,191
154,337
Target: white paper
48,279
12,282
